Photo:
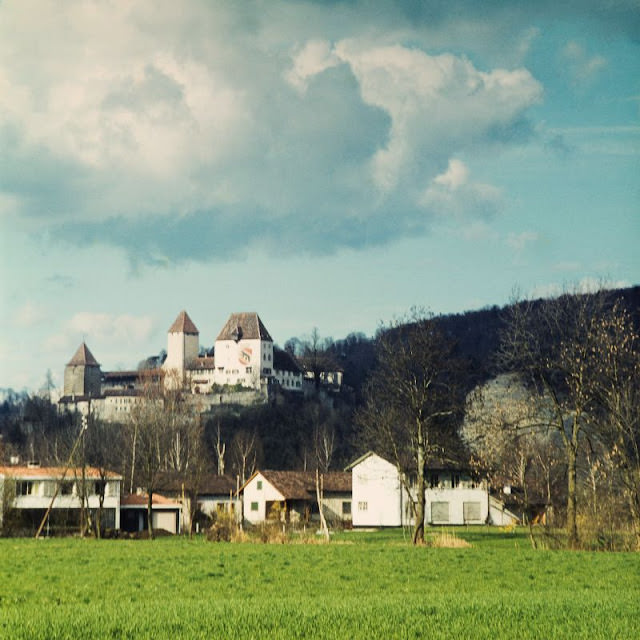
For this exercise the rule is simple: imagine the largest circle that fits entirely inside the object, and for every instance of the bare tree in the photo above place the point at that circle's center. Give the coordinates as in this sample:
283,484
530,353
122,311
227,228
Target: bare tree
554,345
221,449
324,436
617,389
410,399
151,438
244,451
104,442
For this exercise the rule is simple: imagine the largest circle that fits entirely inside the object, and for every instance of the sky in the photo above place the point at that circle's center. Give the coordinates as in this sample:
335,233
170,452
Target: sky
328,165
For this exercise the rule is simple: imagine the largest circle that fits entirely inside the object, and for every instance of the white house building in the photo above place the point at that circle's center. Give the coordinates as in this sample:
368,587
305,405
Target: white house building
30,489
290,496
378,497
452,497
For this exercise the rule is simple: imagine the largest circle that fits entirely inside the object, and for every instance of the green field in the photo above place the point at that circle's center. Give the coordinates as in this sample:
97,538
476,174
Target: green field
359,586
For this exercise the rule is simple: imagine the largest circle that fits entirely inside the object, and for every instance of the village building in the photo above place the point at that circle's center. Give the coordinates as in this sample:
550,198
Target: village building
291,496
214,495
30,490
166,514
453,496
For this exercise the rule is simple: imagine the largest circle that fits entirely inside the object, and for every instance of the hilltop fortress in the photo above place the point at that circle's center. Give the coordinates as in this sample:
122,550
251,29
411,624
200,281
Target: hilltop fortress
245,368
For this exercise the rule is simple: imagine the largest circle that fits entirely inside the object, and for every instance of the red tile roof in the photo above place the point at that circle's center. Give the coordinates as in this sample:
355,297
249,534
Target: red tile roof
54,472
140,500
301,485
183,324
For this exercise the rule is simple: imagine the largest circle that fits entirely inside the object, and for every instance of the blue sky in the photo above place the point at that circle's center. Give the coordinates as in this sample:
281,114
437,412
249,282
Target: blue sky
327,165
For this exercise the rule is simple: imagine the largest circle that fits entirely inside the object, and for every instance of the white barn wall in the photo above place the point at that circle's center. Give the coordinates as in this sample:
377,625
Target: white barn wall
456,498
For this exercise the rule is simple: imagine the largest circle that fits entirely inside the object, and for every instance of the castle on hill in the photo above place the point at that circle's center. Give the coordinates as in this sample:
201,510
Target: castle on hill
245,368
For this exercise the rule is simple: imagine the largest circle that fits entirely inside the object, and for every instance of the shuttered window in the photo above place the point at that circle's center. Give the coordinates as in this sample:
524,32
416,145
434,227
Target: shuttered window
439,512
471,511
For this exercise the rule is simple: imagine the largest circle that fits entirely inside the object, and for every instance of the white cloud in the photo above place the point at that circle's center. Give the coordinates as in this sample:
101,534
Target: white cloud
452,194
126,111
314,57
435,102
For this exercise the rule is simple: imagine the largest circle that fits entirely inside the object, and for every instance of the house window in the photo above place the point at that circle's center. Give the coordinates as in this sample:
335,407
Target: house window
25,488
363,506
254,506
439,512
455,480
66,488
99,488
471,511
248,370
346,508
434,480
259,485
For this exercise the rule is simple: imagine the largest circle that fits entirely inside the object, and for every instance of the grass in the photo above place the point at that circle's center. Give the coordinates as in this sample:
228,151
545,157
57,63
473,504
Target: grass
362,585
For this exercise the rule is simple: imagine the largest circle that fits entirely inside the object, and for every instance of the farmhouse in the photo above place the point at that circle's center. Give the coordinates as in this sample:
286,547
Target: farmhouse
290,496
382,499
29,490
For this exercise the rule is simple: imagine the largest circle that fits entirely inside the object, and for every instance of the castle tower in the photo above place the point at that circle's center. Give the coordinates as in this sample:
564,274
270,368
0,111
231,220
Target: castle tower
82,375
183,344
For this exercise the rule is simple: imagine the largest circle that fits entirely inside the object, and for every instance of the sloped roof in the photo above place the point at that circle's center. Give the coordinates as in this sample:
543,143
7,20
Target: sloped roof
363,457
184,324
244,326
207,484
83,357
204,363
284,361
56,473
140,500
301,485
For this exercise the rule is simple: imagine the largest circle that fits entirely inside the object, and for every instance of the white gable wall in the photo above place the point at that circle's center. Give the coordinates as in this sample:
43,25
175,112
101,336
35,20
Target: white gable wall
378,497
257,492
457,506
